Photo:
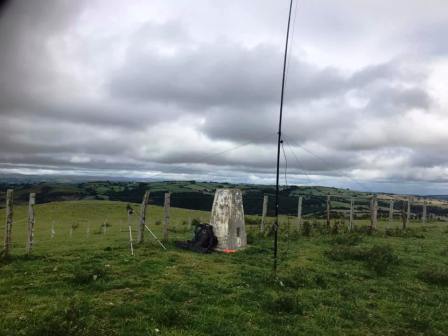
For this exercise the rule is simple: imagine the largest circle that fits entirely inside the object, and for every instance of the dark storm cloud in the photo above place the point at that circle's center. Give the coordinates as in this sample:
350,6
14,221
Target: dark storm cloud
26,30
383,88
387,72
396,100
100,113
428,158
219,74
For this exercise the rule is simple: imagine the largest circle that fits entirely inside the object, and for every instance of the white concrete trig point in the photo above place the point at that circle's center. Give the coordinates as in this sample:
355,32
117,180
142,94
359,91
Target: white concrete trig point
227,219
350,223
264,213
299,213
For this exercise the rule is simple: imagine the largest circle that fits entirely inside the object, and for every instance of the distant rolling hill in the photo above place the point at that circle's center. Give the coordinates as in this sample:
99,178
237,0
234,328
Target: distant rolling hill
199,196
438,197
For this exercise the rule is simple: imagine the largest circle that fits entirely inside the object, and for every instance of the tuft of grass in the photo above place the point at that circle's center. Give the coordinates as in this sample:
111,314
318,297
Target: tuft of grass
444,252
434,275
283,303
379,258
363,229
407,233
250,220
418,320
350,239
306,228
321,228
169,315
335,228
84,275
341,252
195,222
251,237
72,319
296,278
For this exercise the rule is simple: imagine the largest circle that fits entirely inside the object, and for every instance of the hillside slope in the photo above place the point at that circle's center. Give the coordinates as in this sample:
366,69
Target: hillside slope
199,196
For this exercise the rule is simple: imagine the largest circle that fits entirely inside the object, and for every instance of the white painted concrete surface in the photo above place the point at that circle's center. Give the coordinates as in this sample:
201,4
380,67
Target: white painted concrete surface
227,219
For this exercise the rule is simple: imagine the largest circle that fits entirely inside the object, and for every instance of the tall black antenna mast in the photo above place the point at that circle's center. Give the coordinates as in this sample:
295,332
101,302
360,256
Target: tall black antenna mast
280,141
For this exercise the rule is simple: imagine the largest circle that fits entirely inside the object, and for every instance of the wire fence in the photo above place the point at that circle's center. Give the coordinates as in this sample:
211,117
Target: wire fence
81,225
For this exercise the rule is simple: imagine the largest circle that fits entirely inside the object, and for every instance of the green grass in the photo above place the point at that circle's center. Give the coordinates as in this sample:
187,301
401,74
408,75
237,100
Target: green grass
326,284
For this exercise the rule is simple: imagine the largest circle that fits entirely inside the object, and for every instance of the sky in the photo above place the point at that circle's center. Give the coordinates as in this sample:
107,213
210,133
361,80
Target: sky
191,90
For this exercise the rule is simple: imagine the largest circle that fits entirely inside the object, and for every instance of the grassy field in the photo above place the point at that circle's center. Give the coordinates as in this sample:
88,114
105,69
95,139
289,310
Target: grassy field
328,283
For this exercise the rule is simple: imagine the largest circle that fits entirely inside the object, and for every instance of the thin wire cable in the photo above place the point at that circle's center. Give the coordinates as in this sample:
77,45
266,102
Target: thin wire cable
291,43
20,220
287,215
286,165
226,150
233,148
329,166
298,163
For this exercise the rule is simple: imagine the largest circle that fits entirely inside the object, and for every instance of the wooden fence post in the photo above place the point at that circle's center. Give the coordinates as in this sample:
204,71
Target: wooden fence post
31,221
299,213
130,231
373,212
264,213
104,226
391,212
53,231
424,212
141,226
350,223
9,219
328,210
408,213
403,215
166,216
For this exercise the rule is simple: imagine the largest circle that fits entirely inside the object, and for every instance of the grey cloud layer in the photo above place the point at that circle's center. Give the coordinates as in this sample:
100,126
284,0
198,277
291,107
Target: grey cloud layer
164,95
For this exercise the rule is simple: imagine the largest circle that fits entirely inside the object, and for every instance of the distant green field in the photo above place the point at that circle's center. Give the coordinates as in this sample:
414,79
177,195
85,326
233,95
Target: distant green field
327,283
78,224
199,196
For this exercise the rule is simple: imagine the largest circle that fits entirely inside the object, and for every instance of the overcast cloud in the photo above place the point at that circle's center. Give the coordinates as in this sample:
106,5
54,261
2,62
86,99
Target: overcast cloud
182,90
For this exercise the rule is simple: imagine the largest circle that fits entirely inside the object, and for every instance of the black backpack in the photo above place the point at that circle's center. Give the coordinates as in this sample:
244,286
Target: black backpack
204,240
